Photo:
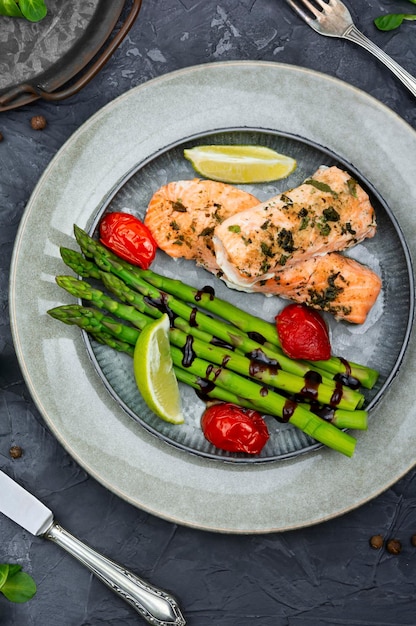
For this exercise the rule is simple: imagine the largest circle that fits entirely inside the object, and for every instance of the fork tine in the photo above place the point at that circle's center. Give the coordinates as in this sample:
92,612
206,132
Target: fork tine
305,16
326,4
316,12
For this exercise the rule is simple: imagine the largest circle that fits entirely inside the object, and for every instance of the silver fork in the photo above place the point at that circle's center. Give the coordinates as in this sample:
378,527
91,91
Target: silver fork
333,19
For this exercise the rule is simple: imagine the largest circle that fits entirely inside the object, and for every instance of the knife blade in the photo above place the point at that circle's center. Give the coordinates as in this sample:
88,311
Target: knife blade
156,606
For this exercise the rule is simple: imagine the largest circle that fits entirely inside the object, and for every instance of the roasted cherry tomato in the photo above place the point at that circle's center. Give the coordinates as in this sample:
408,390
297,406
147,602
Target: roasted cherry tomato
230,427
129,238
303,333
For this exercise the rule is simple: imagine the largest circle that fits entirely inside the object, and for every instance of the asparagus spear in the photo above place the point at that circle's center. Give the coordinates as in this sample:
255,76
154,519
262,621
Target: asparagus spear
206,299
209,392
356,420
87,268
133,277
188,339
227,333
266,401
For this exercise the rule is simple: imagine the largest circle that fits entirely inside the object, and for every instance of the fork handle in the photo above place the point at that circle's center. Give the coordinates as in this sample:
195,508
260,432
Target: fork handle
353,34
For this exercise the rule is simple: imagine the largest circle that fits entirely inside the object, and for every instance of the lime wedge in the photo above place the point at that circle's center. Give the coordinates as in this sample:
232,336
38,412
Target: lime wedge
153,370
240,164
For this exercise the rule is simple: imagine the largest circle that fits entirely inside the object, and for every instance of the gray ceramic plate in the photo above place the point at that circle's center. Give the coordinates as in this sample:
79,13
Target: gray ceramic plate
90,172
379,343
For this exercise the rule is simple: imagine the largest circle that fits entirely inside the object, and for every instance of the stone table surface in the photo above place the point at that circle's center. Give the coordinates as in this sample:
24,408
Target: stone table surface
321,575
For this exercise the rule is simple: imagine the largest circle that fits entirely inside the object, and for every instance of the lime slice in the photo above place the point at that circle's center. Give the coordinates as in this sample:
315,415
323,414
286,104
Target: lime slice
153,370
240,164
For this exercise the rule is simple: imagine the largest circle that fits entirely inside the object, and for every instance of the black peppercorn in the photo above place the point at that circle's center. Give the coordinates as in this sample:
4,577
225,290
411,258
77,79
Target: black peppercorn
394,546
413,540
376,542
1,136
38,122
15,452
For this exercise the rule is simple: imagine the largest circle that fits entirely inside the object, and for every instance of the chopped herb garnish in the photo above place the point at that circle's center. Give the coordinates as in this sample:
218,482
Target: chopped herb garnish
352,187
179,206
349,229
331,214
265,225
328,295
323,228
285,240
174,225
321,186
303,214
234,228
218,218
266,250
284,198
207,232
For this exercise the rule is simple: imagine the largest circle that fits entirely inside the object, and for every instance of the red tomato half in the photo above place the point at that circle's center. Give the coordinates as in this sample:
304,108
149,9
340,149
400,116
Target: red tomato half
303,333
230,427
129,238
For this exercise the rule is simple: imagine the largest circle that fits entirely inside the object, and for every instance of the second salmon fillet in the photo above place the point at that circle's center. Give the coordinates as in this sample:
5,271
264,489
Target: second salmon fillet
327,213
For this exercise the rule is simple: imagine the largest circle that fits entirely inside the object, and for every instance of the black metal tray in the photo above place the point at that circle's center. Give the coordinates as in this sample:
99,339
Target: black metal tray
71,44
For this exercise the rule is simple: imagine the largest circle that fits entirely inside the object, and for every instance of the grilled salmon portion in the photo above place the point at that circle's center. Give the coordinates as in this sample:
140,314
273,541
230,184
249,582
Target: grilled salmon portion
331,282
186,216
327,213
182,216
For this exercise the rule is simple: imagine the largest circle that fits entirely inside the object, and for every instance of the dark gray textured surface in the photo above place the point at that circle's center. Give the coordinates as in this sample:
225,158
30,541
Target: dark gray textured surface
325,574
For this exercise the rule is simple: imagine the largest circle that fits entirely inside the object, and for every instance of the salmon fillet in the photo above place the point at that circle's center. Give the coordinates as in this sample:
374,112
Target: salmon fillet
182,216
327,213
185,216
332,282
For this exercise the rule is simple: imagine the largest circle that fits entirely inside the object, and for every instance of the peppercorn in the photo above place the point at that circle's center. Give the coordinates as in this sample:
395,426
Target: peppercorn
1,136
15,452
413,540
376,542
38,122
394,546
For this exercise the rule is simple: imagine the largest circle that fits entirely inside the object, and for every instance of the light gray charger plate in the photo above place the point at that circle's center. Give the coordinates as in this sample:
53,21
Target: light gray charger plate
65,385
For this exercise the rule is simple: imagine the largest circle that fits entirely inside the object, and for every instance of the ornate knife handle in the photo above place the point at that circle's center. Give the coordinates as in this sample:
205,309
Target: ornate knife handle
155,606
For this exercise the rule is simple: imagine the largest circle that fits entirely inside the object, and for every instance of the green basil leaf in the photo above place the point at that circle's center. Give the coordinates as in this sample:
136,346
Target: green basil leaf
20,587
10,8
4,573
389,21
13,569
33,10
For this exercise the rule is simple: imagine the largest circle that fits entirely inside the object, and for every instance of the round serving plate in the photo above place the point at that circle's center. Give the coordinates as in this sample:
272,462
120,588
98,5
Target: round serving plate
379,343
96,169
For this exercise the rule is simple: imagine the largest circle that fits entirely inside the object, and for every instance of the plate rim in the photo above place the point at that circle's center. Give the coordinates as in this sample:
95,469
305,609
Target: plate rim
90,131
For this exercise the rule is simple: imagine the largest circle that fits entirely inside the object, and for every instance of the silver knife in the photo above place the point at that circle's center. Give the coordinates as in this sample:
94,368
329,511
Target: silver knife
154,605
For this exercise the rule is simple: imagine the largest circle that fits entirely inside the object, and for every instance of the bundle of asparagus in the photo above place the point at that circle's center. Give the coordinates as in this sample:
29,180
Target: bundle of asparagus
235,357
